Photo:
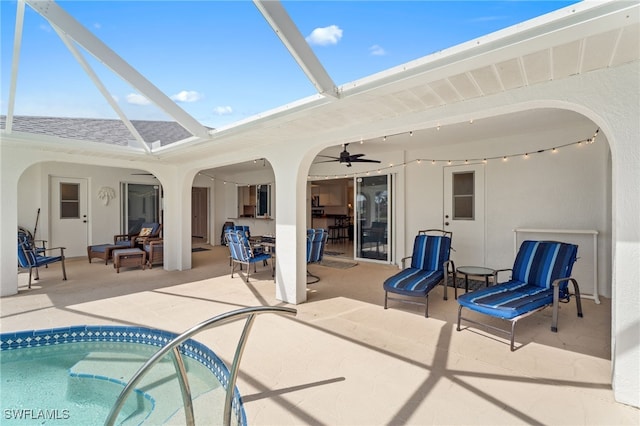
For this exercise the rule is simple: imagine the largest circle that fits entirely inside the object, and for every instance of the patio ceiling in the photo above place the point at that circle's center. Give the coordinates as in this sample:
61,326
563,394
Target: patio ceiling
574,40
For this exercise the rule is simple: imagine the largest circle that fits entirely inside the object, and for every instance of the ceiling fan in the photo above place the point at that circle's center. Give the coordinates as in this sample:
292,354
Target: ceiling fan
346,158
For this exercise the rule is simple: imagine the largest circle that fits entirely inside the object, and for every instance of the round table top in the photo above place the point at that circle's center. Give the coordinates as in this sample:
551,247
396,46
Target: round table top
475,270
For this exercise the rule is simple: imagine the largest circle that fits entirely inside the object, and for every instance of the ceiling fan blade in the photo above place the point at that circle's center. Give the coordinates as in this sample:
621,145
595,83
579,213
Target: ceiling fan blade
356,156
326,161
364,160
328,156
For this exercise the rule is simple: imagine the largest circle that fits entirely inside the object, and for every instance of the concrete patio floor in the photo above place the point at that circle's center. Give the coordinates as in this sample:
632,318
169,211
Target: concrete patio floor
344,360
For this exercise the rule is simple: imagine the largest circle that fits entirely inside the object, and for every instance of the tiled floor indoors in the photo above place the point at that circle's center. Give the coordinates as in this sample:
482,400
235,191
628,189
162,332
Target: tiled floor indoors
344,360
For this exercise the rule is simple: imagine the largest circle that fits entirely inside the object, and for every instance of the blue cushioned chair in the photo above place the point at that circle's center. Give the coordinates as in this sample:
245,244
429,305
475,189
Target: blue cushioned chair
242,253
540,278
32,258
244,228
316,242
430,265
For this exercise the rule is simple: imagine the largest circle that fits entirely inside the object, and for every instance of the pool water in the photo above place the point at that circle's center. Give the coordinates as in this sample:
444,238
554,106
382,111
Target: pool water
77,383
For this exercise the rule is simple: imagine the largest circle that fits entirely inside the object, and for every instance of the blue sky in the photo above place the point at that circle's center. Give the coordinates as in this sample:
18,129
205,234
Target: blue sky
220,60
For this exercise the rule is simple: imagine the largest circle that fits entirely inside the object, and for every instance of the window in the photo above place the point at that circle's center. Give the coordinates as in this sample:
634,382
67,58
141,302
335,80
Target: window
69,200
254,200
463,196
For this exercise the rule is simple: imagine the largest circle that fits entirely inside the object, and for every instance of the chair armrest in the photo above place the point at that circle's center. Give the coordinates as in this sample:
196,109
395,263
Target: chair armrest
121,237
450,267
54,248
402,261
495,274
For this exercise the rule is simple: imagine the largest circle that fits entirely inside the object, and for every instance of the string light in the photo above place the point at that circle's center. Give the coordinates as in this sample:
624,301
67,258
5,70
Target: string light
485,160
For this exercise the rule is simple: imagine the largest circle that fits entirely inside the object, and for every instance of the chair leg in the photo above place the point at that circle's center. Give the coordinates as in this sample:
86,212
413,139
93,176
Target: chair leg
30,269
426,310
513,335
385,300
459,317
64,271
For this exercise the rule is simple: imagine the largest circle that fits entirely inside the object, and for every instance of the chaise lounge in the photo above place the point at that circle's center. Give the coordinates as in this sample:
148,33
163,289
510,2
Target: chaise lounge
540,278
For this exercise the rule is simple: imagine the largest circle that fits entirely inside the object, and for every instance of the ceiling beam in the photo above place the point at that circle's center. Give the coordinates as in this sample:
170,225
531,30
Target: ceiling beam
291,37
56,16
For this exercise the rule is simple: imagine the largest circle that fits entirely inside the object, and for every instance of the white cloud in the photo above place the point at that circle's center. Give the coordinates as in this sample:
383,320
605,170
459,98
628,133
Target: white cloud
222,110
97,25
187,96
46,28
376,50
325,36
136,99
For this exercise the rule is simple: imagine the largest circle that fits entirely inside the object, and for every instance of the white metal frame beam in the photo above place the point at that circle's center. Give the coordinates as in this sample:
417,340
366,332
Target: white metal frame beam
15,62
291,37
87,68
60,19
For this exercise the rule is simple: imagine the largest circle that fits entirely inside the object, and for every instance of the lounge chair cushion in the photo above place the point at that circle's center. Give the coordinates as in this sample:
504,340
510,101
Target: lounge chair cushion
413,281
537,265
430,252
100,248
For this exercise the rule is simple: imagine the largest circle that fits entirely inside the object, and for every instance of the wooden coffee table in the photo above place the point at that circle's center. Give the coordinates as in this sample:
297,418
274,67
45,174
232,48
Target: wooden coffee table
129,257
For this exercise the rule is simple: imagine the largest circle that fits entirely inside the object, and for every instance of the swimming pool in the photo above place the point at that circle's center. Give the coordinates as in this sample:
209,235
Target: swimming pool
74,375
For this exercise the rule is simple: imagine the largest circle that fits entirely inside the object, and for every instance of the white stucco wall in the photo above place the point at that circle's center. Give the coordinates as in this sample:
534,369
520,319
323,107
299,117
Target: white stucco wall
568,189
104,220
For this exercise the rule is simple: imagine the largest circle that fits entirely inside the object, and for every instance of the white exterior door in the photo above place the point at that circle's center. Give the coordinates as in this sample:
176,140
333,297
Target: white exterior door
69,227
464,210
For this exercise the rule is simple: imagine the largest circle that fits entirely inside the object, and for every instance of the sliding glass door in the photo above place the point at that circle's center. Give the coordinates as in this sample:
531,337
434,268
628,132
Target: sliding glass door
373,218
140,204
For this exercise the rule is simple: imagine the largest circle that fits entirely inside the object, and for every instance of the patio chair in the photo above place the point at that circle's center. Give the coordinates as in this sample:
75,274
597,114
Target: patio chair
31,258
430,265
540,278
147,230
244,228
242,253
154,247
316,242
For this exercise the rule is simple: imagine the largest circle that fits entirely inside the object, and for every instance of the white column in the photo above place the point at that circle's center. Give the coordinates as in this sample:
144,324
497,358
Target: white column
176,228
8,226
291,226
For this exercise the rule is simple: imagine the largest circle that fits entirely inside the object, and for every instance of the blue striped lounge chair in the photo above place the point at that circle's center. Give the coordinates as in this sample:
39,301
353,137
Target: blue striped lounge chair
540,277
316,242
430,265
241,253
